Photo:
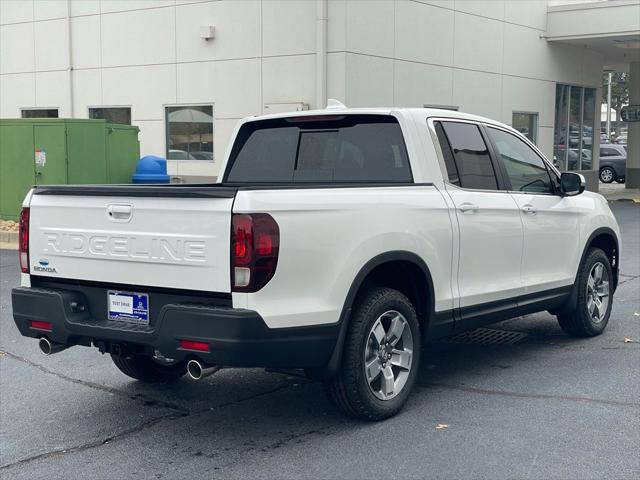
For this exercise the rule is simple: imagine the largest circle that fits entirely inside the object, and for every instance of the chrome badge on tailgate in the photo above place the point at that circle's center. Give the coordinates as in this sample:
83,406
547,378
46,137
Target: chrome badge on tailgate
43,266
134,246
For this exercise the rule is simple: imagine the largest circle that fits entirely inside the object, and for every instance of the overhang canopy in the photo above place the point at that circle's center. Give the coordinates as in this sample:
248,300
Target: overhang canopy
611,27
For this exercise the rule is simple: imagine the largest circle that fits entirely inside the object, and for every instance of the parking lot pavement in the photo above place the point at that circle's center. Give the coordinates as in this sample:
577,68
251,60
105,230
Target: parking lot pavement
546,406
619,191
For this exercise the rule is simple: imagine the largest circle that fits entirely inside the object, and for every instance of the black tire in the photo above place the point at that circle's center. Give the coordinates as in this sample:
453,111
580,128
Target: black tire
145,369
620,180
608,173
349,389
578,322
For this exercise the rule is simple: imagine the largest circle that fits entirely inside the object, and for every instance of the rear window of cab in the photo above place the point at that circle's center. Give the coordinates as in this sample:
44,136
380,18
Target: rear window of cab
320,149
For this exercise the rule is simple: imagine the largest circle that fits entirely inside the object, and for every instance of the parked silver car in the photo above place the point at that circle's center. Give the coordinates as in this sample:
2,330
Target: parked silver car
613,162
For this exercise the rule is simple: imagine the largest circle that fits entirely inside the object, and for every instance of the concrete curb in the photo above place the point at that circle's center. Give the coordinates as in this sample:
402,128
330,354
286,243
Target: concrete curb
9,237
634,200
616,193
9,240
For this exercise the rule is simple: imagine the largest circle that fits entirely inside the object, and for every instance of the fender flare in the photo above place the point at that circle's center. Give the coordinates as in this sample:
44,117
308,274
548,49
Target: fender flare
609,232
573,299
398,255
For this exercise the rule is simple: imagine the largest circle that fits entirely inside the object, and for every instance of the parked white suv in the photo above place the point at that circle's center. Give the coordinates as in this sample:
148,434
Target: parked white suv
336,242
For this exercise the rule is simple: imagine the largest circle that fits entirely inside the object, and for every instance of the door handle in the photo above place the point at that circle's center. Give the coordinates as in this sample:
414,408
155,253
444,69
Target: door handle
119,212
529,209
468,207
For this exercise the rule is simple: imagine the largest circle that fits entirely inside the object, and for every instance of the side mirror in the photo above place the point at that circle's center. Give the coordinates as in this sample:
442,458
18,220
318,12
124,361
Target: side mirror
572,184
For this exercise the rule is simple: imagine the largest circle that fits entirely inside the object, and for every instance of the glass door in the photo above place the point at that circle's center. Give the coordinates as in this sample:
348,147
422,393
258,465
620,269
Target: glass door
575,117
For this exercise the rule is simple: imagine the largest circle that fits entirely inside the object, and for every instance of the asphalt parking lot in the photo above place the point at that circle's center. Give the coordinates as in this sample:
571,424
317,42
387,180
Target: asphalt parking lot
547,406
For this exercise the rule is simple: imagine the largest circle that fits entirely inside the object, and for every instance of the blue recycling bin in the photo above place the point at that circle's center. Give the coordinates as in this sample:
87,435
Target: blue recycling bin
151,169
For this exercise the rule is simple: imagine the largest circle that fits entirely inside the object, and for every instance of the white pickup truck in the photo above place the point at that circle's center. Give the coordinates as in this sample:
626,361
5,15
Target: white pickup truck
336,243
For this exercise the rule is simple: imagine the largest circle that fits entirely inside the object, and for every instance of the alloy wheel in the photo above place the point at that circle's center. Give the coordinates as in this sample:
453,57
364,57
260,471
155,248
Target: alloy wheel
388,356
598,292
606,175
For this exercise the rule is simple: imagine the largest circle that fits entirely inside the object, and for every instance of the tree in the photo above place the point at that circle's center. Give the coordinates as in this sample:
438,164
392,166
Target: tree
619,93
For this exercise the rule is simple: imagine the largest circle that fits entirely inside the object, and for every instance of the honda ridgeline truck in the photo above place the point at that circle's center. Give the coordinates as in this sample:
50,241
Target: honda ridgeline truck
335,244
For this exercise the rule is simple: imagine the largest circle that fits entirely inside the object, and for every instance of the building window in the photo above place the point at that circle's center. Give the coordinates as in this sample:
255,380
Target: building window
120,115
586,128
527,124
39,113
573,131
190,132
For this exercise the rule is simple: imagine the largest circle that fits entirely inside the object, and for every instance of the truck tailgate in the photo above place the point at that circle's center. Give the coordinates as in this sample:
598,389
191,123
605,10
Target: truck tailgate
168,237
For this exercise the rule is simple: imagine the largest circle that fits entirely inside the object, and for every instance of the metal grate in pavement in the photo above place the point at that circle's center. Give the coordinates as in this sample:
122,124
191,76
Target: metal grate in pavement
487,336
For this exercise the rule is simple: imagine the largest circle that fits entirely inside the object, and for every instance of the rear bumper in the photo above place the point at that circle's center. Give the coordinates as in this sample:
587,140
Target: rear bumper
237,337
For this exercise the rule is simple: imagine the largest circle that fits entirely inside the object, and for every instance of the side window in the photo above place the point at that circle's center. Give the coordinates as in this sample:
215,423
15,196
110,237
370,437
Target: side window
470,156
452,171
608,152
525,169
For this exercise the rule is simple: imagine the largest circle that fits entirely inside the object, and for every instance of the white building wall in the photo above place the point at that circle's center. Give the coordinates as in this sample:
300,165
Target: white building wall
485,56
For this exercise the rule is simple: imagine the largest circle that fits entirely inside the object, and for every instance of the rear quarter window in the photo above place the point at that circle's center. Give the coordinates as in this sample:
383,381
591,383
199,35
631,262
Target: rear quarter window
320,149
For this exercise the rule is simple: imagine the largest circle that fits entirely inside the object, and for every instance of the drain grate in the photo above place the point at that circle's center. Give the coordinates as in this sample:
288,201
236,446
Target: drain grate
487,336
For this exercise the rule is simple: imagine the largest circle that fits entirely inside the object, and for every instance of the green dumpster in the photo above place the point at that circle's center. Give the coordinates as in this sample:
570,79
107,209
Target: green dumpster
41,151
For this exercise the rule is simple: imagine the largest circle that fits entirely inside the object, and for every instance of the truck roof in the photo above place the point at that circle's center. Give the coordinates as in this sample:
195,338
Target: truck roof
402,112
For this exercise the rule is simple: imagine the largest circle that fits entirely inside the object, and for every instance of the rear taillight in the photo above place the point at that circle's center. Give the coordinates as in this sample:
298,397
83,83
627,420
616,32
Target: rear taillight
23,240
255,241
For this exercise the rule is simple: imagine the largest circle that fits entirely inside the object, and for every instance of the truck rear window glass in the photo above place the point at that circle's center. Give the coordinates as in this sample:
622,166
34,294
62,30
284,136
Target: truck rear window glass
320,149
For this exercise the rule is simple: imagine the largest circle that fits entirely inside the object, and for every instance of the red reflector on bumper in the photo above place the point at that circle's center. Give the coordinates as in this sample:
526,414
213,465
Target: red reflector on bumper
36,325
191,345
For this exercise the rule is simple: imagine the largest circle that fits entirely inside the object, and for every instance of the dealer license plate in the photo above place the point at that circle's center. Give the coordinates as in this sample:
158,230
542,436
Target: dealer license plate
128,307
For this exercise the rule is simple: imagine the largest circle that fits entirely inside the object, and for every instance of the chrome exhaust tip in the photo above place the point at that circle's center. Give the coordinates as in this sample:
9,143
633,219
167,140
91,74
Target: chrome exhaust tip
197,371
49,348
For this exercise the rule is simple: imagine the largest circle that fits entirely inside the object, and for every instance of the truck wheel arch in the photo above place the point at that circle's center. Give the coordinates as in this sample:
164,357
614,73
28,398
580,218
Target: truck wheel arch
605,239
424,303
